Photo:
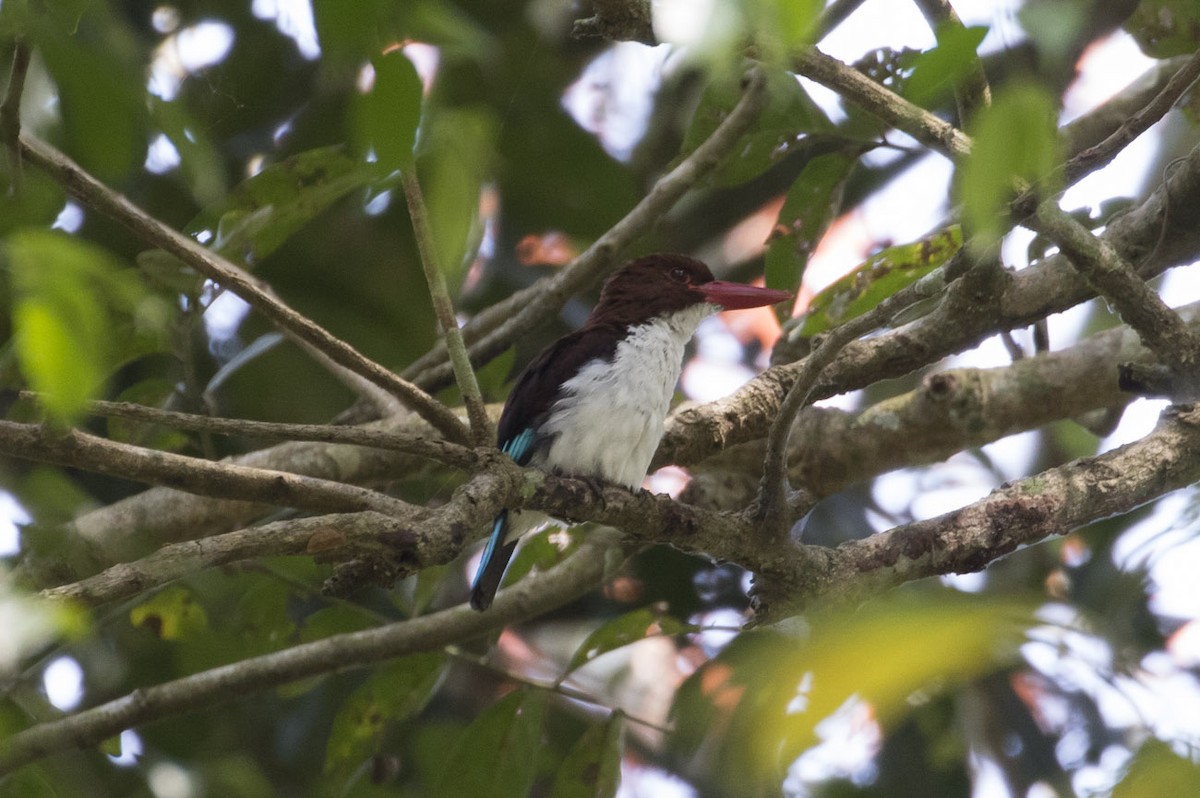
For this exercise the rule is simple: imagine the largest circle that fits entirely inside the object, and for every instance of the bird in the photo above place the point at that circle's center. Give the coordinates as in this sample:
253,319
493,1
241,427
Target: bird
593,404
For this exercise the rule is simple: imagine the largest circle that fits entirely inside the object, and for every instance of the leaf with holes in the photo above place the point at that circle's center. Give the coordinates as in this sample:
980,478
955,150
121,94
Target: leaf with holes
879,277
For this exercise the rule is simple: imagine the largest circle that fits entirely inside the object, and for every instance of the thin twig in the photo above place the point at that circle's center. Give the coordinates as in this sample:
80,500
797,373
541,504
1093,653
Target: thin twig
464,375
526,309
1099,155
10,111
100,197
532,596
438,450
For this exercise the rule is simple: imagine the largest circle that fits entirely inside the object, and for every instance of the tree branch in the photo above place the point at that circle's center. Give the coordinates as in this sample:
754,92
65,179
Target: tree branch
1017,514
1138,304
937,134
327,537
532,596
10,111
100,197
75,449
435,449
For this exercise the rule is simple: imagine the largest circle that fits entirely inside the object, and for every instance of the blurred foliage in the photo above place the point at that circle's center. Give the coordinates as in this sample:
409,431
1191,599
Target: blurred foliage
284,158
1016,145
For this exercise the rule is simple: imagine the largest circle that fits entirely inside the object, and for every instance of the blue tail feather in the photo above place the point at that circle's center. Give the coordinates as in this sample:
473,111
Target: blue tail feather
493,564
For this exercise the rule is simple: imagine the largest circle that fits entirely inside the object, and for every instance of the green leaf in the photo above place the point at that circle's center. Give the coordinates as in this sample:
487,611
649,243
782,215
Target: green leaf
263,212
392,694
628,628
199,160
66,294
1158,771
757,705
877,278
455,157
173,614
811,204
541,551
101,98
390,113
779,27
592,768
497,756
338,619
938,71
1163,28
1016,139
789,116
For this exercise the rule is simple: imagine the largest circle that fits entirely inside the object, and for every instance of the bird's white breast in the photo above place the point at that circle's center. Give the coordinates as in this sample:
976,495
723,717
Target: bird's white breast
610,418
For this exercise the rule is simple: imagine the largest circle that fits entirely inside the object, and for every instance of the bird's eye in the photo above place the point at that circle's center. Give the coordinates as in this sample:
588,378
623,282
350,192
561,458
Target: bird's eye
679,274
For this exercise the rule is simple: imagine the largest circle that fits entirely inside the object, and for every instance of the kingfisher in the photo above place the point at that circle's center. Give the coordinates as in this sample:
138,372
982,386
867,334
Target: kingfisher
593,403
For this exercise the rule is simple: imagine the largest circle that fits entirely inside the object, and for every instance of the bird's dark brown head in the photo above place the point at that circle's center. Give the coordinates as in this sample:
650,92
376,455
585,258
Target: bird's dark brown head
662,284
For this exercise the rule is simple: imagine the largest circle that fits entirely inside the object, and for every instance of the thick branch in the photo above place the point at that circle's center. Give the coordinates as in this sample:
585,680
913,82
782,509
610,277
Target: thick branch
1053,502
531,597
100,197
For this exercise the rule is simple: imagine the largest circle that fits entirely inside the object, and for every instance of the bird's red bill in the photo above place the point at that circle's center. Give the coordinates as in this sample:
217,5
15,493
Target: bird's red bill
736,296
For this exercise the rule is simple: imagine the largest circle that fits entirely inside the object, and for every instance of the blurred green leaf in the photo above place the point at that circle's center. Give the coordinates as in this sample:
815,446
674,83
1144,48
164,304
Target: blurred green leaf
938,71
790,114
455,155
388,115
392,694
199,160
760,700
1016,138
497,756
168,271
876,279
338,619
172,614
352,33
67,292
1156,772
811,204
592,768
264,211
628,628
1163,28
779,27
101,98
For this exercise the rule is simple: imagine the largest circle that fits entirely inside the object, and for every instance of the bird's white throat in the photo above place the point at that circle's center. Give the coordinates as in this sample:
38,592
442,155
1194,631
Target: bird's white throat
610,418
